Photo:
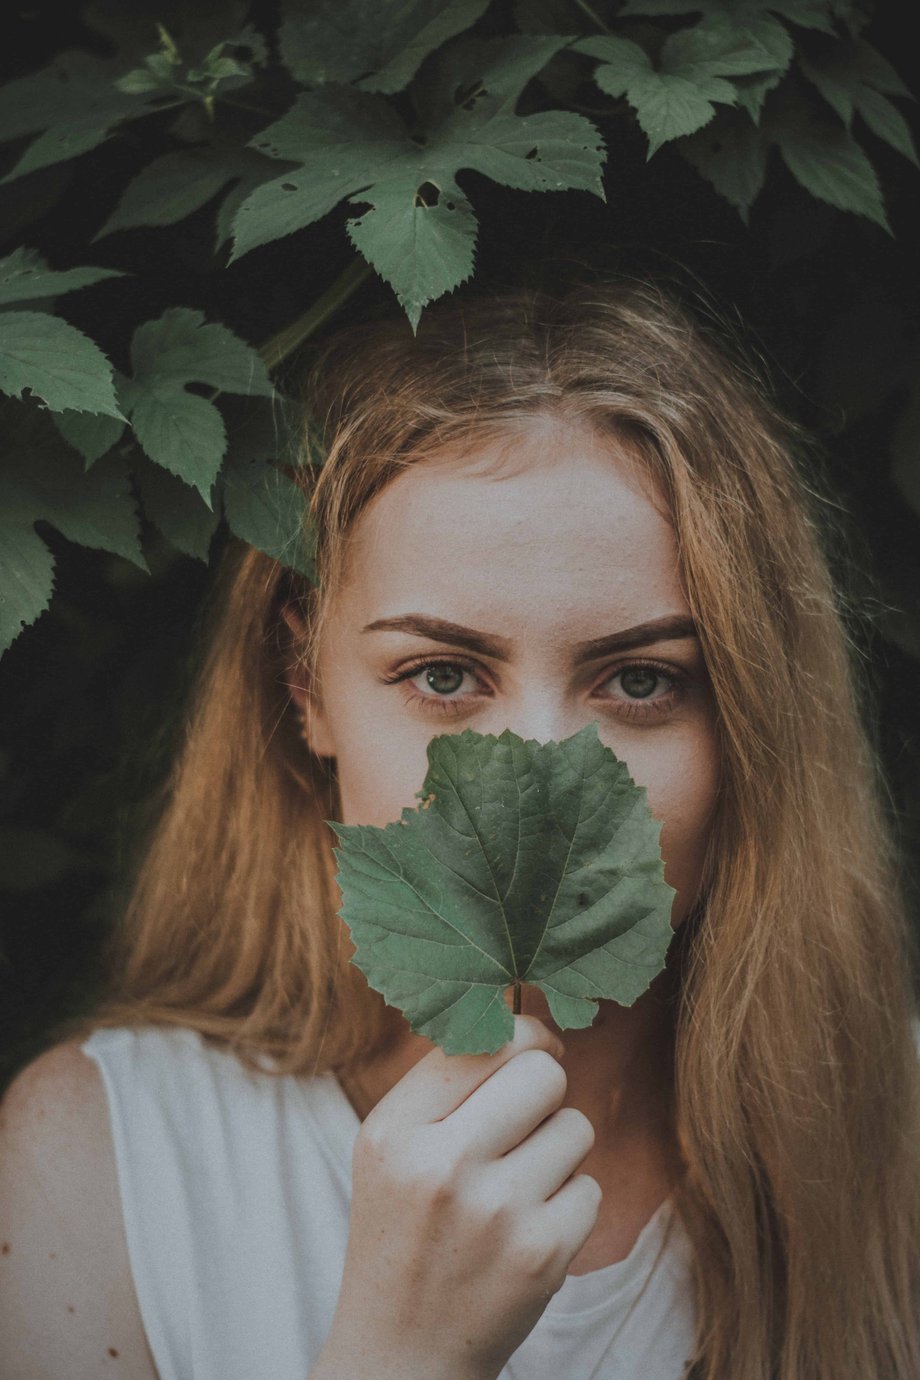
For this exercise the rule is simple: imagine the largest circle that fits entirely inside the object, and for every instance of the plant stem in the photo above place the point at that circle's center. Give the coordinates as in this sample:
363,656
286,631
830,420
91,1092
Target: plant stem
590,12
279,346
516,1008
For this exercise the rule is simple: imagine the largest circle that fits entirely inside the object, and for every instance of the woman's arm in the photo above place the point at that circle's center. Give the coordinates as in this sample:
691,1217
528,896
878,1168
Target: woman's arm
67,1300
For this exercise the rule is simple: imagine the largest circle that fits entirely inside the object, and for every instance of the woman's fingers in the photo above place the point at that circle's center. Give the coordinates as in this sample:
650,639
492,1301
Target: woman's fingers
539,1166
525,1090
440,1083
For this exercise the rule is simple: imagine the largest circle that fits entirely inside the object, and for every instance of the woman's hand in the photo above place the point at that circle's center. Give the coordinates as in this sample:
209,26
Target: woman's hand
464,1213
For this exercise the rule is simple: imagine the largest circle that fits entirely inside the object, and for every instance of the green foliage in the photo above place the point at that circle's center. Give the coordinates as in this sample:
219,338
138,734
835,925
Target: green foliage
388,121
345,41
526,862
44,354
420,231
180,430
43,478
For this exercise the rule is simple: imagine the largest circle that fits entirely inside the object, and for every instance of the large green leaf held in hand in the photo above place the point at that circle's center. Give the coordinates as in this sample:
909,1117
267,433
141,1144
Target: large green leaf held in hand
526,862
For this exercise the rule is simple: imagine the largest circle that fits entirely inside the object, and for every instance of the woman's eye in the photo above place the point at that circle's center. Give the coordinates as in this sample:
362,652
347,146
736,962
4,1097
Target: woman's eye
640,682
435,685
640,690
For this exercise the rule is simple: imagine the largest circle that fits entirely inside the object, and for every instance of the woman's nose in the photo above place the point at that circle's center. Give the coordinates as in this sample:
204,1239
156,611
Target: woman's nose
547,718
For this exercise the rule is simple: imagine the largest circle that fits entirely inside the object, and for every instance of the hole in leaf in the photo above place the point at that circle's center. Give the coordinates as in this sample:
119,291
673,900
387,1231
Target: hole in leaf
427,195
289,186
582,898
532,154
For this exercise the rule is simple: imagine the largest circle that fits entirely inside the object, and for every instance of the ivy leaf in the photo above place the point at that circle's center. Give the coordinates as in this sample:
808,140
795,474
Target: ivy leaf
178,429
42,478
25,276
525,862
353,144
57,362
379,46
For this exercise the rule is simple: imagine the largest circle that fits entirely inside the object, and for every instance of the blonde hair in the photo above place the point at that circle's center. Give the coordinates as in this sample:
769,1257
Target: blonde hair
796,1082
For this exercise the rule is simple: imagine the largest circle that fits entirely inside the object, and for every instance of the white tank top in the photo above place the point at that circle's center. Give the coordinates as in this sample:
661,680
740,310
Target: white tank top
235,1188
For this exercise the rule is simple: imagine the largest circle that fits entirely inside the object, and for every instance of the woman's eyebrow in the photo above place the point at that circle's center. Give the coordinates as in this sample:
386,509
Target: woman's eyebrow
673,628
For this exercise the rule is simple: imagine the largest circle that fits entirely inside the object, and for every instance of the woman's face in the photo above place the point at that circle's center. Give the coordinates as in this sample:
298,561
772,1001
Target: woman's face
480,592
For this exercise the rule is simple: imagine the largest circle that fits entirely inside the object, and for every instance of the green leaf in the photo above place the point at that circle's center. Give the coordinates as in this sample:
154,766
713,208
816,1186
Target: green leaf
420,231
57,362
180,430
721,47
343,139
25,276
526,862
847,79
264,507
886,122
173,186
830,164
75,104
26,578
807,14
91,435
752,92
379,44
668,103
176,508
181,347
42,478
730,153
422,248
262,503
140,81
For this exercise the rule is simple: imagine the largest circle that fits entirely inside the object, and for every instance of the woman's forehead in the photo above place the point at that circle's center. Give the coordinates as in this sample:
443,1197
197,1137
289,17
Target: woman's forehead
562,521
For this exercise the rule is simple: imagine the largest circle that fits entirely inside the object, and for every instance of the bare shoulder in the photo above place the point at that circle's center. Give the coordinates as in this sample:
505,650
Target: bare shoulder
67,1299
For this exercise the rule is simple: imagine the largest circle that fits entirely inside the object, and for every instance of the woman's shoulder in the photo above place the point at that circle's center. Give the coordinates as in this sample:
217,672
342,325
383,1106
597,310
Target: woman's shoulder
59,1208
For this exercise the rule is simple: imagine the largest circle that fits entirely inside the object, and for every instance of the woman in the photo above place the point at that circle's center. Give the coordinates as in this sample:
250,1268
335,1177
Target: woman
536,515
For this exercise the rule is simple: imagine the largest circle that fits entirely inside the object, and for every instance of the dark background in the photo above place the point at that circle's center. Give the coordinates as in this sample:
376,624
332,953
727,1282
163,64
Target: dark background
91,695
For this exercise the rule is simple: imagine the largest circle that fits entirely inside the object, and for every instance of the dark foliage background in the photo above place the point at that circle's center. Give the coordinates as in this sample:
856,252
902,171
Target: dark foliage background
91,693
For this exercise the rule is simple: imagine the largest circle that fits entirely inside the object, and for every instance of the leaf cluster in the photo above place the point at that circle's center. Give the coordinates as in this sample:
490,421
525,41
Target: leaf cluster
387,116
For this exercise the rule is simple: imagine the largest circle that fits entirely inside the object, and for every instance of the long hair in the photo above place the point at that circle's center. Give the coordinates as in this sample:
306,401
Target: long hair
796,1082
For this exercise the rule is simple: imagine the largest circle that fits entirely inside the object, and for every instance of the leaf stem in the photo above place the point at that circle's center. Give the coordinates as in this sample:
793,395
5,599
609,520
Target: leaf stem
592,15
279,346
516,1008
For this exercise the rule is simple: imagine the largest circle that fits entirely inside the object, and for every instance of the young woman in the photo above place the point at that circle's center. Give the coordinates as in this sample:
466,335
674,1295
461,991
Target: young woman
535,515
